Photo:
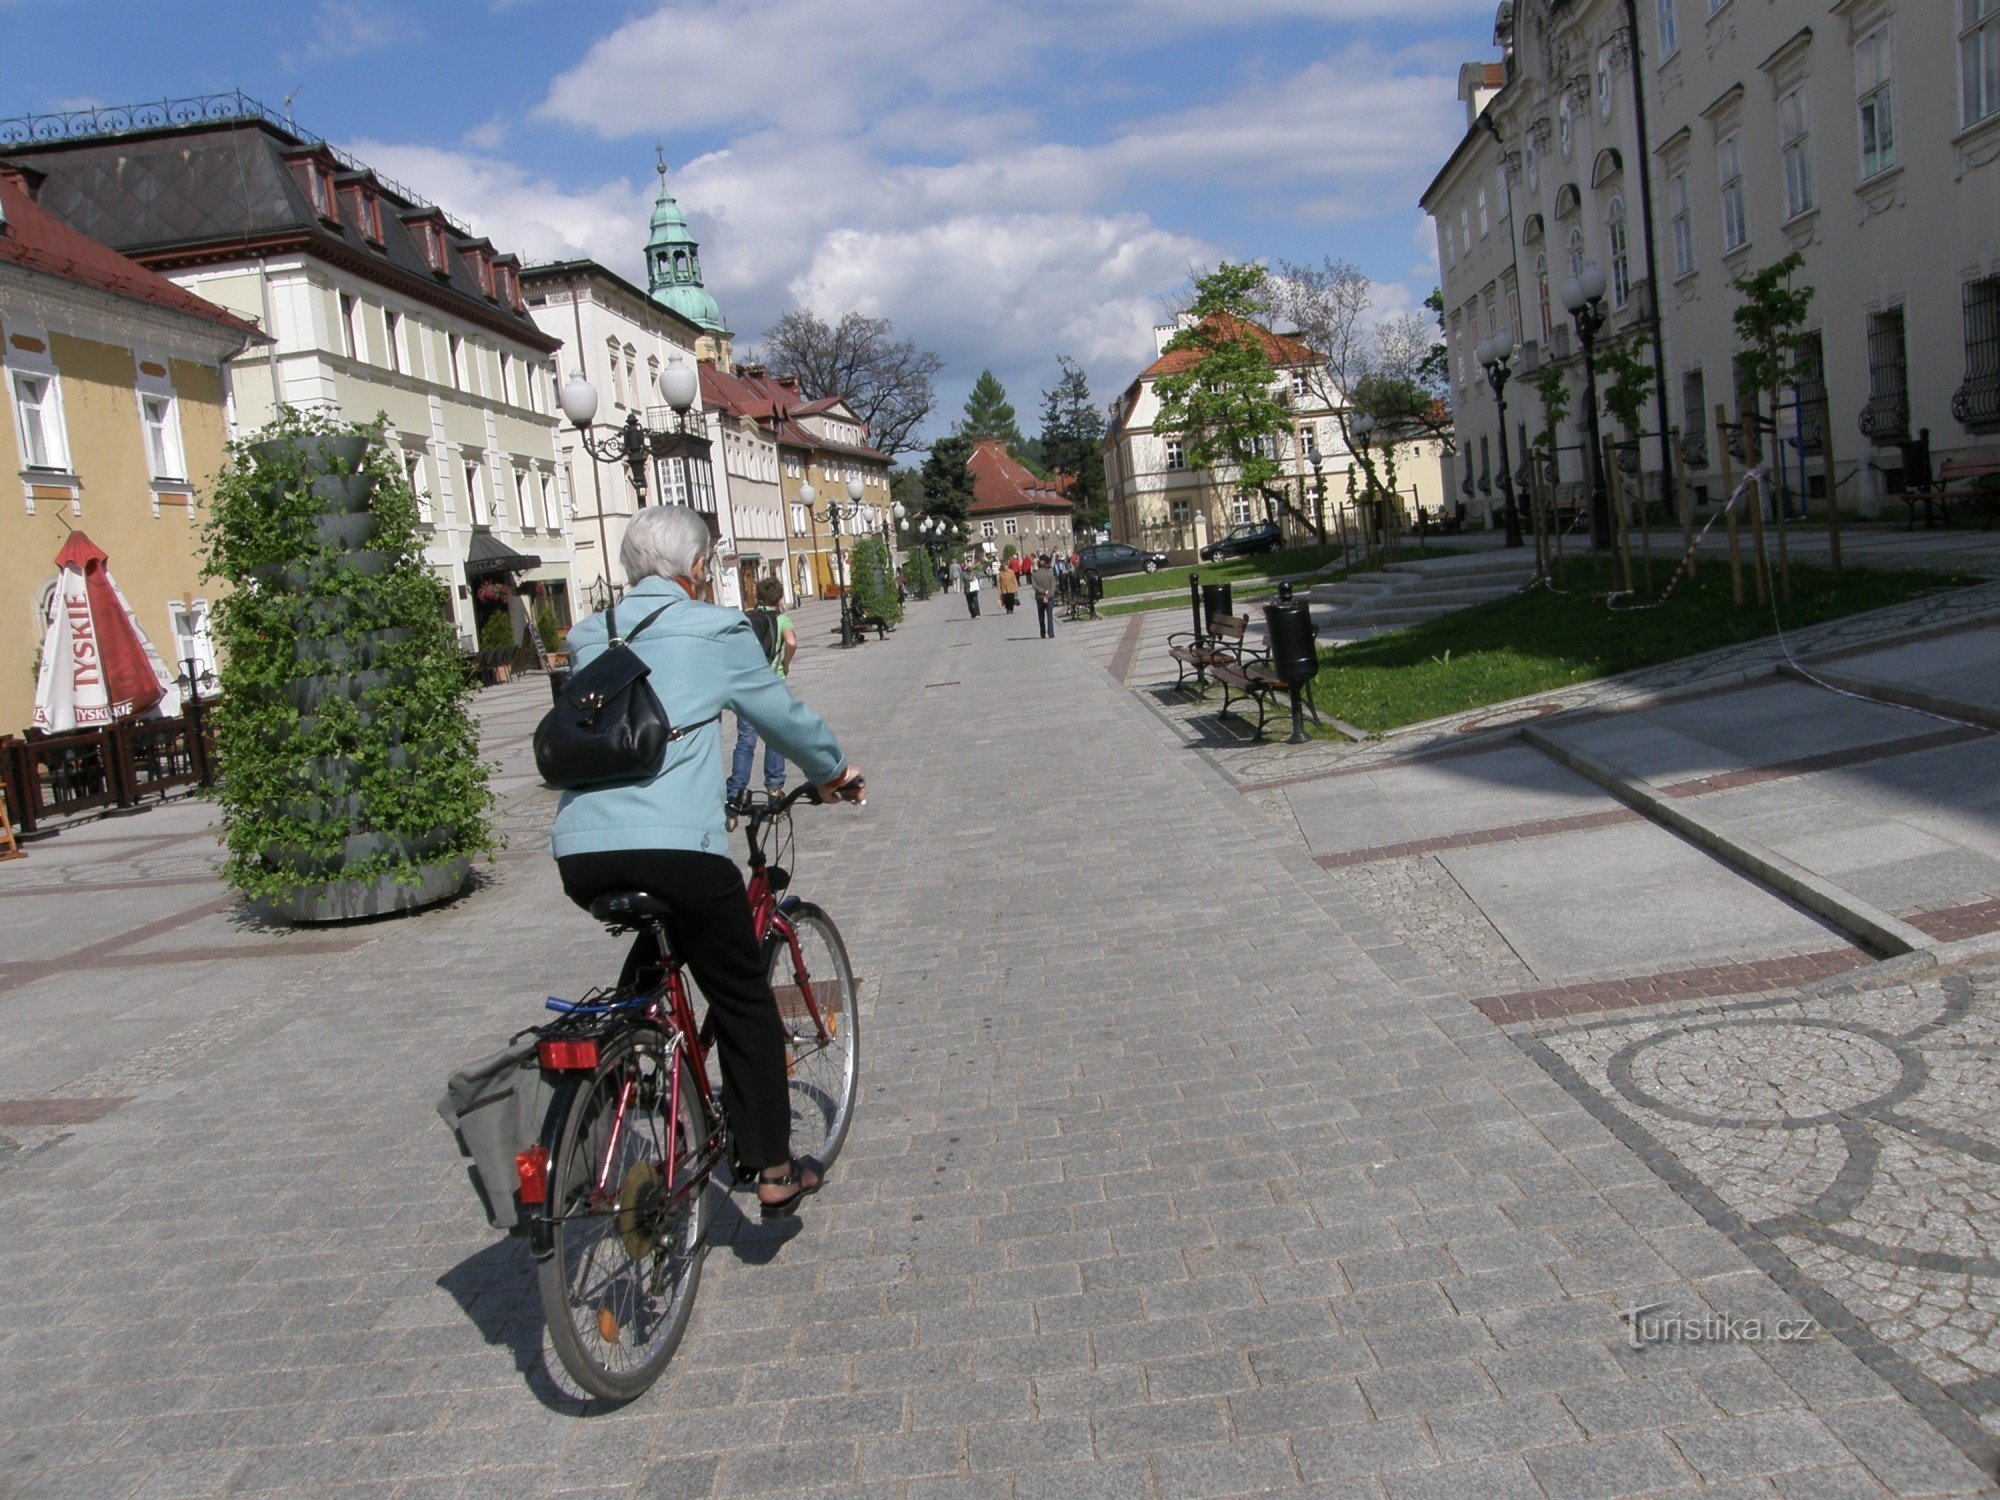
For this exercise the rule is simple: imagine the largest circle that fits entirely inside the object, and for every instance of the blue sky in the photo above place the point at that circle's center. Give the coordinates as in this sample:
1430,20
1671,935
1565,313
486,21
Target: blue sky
1006,180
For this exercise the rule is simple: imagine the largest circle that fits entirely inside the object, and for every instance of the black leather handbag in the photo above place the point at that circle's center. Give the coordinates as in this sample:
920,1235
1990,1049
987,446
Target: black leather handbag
607,727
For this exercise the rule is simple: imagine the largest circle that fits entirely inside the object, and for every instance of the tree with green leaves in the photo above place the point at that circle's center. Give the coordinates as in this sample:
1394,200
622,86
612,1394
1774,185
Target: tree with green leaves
947,483
1223,406
1072,443
988,413
1768,321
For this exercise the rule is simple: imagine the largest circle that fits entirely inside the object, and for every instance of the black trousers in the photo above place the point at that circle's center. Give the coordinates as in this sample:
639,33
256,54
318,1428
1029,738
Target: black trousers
972,603
711,931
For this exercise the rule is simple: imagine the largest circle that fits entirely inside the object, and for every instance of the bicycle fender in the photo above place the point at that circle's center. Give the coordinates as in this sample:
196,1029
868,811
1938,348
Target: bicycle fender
790,905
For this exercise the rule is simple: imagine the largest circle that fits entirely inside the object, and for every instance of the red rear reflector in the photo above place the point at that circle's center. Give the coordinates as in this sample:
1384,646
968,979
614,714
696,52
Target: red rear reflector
569,1056
532,1167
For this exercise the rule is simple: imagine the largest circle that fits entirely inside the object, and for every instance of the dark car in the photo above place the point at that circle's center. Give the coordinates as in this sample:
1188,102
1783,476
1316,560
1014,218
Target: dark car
1117,557
1252,536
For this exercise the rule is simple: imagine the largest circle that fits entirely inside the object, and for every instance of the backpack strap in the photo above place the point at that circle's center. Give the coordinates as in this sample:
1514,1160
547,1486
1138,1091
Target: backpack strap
611,623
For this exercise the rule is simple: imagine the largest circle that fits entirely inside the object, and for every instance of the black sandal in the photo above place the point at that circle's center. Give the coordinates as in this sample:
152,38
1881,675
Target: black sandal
784,1208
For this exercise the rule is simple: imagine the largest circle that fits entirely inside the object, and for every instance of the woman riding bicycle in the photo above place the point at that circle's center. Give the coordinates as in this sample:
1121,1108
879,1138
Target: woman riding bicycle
667,837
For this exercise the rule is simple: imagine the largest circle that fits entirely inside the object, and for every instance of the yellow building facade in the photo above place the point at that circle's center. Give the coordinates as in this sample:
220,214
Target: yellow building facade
116,425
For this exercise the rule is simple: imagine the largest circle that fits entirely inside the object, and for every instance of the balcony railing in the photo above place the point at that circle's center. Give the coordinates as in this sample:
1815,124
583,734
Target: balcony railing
1977,402
1886,419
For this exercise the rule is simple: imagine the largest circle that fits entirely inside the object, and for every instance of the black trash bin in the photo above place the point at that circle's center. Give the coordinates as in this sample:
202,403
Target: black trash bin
1294,648
1216,599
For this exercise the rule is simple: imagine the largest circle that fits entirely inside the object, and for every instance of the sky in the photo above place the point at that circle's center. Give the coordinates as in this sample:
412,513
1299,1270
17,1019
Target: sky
1005,180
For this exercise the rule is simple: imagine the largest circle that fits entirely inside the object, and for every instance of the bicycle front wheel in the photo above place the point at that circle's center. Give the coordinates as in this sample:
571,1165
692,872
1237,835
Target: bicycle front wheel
629,1204
814,983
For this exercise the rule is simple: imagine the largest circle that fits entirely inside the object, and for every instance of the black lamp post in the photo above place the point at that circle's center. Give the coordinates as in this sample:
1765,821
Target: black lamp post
833,515
194,677
634,444
1496,357
1319,494
1583,295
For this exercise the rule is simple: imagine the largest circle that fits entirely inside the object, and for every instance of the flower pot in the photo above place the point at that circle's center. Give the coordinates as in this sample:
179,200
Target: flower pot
369,564
363,650
348,900
310,692
317,453
344,493
347,532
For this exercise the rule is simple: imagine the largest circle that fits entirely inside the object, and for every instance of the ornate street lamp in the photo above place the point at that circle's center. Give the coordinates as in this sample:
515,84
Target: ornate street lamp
834,513
1583,295
634,444
1496,357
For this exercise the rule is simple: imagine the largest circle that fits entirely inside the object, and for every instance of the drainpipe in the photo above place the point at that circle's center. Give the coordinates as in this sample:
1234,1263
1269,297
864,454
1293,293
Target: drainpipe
1652,265
270,349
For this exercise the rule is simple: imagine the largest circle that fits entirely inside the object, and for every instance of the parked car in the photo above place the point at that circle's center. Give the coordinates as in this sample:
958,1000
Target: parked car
1250,537
1118,557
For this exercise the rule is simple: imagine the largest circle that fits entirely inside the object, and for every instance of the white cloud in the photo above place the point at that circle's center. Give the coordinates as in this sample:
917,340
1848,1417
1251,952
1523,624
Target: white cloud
531,216
347,28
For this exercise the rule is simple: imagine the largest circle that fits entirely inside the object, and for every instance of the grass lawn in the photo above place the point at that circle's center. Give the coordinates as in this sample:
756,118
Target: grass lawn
1538,640
1261,571
1229,570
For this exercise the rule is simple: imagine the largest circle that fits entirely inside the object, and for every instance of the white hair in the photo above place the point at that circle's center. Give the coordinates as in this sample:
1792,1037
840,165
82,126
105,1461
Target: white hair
663,541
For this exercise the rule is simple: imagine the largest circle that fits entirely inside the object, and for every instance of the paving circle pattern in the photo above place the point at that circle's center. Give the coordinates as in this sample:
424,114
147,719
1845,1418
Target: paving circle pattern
1846,1138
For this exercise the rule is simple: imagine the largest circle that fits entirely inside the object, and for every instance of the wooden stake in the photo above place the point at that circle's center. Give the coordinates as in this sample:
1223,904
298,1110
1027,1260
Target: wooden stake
1832,490
1645,530
1728,491
1683,500
1760,559
1621,540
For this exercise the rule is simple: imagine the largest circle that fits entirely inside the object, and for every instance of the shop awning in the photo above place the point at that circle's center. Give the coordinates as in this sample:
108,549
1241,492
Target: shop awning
489,556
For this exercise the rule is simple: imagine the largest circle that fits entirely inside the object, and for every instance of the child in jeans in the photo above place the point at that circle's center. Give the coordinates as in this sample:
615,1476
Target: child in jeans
781,643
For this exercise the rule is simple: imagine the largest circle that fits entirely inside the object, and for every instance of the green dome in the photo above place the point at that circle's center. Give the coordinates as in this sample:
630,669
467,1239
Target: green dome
673,264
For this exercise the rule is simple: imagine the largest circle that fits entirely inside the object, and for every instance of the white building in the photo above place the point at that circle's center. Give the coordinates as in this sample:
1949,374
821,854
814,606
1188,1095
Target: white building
1159,501
748,476
620,340
375,302
1864,134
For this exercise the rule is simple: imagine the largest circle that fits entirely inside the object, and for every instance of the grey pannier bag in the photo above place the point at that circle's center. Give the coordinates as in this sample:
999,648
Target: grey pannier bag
496,1108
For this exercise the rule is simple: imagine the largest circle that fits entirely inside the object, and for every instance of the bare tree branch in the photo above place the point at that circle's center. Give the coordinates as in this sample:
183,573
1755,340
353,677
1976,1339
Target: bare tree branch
888,381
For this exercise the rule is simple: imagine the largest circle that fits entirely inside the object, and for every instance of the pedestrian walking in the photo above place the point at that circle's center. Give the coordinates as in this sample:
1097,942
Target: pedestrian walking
972,592
957,574
780,643
1010,589
1045,597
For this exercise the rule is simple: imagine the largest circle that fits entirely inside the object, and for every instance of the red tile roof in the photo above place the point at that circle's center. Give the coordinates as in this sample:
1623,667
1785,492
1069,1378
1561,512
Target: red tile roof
1278,349
1001,482
1495,76
774,400
37,240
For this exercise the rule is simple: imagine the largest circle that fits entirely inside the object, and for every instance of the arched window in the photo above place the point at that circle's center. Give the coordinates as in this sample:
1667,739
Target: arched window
1576,250
1542,293
1614,236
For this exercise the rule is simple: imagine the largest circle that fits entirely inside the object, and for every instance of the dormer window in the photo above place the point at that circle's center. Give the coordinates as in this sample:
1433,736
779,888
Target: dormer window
364,209
315,179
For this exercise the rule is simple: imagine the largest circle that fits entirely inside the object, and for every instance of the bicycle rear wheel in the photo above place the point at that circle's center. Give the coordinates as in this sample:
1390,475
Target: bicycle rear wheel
822,1074
630,1216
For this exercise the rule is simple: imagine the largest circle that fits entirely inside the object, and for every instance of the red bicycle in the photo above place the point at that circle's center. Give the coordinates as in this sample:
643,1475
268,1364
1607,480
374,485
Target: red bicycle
619,1186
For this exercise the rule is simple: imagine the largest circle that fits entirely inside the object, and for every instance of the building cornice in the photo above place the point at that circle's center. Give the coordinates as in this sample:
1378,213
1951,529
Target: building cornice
70,307
311,245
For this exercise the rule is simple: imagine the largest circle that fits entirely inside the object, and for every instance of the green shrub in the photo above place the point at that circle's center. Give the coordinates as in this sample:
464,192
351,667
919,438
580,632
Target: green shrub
496,631
345,707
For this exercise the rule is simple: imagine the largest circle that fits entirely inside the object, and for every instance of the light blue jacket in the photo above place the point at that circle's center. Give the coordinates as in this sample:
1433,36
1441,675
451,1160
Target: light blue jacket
704,659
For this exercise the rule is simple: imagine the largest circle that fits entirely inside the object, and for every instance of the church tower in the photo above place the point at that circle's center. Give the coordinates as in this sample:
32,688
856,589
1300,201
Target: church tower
673,274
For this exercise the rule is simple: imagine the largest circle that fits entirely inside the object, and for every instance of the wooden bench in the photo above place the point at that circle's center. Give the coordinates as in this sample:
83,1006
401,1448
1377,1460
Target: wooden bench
864,622
1222,645
1979,476
1254,677
1434,524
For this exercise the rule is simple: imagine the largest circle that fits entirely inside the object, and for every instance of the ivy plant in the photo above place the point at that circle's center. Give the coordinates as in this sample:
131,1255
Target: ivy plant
345,708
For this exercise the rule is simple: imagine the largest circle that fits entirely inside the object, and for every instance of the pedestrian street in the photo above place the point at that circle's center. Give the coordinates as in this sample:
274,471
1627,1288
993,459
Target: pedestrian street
1177,1170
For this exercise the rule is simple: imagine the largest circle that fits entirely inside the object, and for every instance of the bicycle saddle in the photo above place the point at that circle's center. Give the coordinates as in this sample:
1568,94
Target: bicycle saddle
627,906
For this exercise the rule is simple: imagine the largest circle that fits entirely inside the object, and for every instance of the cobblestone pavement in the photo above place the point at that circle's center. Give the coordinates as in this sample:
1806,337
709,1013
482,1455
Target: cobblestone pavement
1175,1174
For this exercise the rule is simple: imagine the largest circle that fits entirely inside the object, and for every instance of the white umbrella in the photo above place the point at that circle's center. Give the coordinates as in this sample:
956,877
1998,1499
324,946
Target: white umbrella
97,665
